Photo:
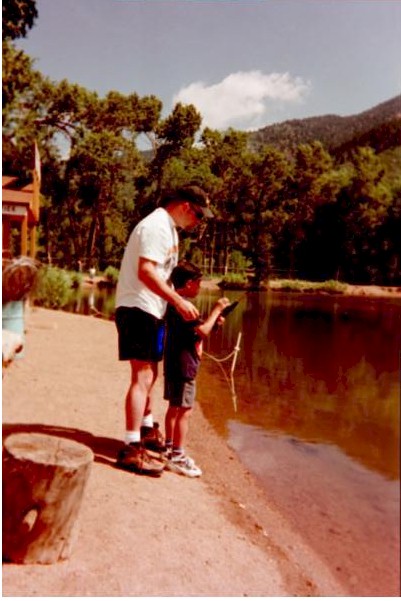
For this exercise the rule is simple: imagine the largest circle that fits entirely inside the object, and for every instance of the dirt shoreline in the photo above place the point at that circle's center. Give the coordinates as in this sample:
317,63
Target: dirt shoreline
139,536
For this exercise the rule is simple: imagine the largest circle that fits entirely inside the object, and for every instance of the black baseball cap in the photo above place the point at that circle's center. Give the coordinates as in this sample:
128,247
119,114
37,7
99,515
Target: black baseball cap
193,194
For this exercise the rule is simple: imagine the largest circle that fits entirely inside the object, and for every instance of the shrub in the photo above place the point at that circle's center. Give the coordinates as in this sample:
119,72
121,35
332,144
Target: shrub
238,261
234,281
76,278
197,257
53,288
330,286
289,285
111,274
333,286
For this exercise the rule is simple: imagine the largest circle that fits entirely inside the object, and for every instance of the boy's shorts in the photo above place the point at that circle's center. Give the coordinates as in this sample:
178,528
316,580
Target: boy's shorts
181,393
140,335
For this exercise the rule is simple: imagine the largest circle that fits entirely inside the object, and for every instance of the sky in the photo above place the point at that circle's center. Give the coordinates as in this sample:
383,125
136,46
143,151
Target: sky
243,63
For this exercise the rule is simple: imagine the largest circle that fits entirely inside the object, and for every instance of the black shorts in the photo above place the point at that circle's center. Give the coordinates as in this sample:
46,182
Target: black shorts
140,335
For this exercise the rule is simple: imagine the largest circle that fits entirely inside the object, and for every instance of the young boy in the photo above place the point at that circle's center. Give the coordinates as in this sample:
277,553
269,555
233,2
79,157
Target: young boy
183,350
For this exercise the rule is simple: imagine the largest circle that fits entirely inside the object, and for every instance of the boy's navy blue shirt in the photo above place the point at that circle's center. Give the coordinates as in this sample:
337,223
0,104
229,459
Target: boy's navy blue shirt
181,356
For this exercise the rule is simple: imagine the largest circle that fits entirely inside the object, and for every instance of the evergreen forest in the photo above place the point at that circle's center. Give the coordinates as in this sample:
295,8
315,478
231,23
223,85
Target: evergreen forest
313,199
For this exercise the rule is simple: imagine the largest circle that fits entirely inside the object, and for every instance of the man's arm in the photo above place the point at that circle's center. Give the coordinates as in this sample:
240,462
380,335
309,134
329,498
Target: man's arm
148,275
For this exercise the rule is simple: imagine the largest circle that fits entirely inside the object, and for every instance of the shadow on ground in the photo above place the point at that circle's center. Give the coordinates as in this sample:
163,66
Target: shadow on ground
104,449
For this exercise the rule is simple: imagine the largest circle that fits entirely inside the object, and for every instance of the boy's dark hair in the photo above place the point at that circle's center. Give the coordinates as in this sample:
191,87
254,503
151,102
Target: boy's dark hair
184,272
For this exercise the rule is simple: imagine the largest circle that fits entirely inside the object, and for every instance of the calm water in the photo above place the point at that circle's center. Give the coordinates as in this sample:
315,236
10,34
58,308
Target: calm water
319,369
313,411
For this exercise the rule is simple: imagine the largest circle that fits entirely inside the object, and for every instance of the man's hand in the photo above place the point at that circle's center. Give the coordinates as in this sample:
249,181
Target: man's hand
148,275
186,309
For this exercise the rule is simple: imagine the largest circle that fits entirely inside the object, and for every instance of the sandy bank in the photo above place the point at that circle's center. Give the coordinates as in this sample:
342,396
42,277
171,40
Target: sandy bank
138,536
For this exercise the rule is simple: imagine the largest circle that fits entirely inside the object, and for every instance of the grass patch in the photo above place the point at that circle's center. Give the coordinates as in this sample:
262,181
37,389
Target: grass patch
329,286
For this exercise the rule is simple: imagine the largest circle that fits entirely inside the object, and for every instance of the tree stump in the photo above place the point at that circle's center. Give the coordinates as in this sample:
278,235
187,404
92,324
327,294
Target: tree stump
44,478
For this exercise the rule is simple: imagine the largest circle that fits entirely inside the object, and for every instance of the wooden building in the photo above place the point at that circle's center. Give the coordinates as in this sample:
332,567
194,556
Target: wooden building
20,209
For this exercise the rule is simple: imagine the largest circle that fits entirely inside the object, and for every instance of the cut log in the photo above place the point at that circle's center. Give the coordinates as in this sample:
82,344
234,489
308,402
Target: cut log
44,478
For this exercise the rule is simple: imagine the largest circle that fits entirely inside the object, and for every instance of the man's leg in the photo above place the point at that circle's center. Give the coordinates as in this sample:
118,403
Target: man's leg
134,457
147,420
143,377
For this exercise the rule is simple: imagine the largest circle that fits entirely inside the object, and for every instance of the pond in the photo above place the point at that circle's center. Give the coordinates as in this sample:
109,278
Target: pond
313,412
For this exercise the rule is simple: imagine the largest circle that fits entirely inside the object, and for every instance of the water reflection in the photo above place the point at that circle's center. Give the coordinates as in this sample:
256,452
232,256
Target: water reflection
92,300
319,369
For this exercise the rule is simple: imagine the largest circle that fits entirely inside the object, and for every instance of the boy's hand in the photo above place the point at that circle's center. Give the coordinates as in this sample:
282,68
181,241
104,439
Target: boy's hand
220,320
222,303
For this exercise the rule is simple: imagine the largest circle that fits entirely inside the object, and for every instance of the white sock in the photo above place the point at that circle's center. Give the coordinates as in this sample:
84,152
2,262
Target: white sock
132,436
147,420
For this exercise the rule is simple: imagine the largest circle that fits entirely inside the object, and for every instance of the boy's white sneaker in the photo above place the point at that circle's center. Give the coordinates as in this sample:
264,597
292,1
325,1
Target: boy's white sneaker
181,464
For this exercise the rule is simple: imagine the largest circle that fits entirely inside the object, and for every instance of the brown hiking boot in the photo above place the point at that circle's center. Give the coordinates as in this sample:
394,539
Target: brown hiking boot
134,458
152,438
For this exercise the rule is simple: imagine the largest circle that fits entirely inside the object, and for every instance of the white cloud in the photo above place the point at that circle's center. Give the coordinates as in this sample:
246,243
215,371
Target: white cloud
242,99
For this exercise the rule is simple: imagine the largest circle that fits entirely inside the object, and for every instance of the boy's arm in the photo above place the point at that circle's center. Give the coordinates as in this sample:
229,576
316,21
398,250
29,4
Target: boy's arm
206,327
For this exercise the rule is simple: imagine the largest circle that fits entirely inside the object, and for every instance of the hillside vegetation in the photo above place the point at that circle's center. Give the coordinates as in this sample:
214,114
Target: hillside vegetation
378,127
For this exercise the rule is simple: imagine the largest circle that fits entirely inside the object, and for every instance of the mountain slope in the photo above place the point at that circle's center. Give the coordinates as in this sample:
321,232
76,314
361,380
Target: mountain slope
333,131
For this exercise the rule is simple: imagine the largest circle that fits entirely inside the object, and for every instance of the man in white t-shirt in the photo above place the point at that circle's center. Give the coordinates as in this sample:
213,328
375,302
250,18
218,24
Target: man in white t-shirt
143,291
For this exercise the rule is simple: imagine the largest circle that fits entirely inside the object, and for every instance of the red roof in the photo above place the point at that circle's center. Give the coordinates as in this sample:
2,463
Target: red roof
17,196
7,180
20,196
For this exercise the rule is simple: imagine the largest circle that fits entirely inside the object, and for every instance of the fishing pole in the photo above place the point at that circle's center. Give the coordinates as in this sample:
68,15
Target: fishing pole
234,353
227,310
230,380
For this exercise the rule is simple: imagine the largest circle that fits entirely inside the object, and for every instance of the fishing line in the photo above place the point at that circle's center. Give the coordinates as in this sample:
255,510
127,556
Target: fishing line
230,380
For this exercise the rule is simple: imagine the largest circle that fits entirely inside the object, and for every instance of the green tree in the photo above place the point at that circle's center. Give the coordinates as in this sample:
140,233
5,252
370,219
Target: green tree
20,86
391,245
264,208
314,184
18,77
18,17
364,206
172,136
229,160
88,153
100,176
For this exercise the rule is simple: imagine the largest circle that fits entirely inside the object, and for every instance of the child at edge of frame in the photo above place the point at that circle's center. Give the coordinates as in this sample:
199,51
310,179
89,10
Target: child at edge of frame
182,357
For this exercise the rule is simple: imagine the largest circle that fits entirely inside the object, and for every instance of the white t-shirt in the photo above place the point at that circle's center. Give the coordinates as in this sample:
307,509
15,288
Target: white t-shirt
154,238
